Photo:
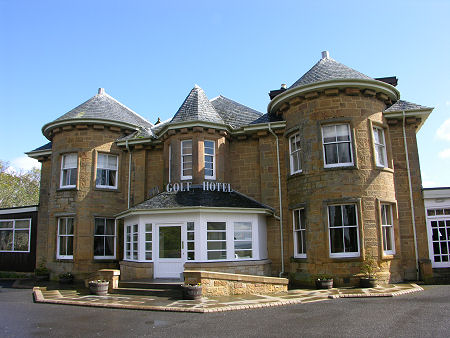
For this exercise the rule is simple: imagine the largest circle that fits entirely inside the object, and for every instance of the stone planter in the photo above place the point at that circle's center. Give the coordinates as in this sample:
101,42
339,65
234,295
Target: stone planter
367,282
192,292
99,288
324,283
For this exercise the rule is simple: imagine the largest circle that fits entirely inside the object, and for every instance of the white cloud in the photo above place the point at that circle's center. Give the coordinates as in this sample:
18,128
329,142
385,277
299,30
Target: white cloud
443,132
23,163
447,103
444,154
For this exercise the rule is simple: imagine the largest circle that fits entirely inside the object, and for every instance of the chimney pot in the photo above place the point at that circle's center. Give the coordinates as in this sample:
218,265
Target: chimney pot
325,54
101,91
283,85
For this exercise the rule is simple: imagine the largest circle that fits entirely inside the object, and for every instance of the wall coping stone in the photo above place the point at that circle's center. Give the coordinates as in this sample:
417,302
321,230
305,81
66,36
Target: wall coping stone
234,277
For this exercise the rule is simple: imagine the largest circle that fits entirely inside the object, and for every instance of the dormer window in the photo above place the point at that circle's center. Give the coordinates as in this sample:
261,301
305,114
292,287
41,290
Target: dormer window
210,160
186,160
69,170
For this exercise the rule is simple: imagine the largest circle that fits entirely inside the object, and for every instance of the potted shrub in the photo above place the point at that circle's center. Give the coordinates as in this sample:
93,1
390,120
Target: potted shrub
99,287
192,291
324,281
41,273
66,278
368,269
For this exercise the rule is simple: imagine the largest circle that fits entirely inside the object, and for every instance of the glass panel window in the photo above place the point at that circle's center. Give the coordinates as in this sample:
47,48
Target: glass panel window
107,167
69,171
387,226
380,147
65,238
343,230
294,151
131,242
337,145
299,233
216,240
186,159
148,242
210,160
169,242
15,235
104,238
190,241
243,240
438,221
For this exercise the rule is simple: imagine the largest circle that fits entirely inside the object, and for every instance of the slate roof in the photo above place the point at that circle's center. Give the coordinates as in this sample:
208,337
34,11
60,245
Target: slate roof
328,69
401,105
104,107
196,197
267,118
47,146
234,114
196,107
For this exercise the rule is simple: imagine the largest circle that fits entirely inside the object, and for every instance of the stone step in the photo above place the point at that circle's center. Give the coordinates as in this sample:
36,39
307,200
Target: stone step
167,293
150,285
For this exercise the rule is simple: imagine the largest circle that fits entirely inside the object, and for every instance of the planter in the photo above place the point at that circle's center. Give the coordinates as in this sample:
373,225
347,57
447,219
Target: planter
192,292
65,280
99,288
42,277
368,282
324,283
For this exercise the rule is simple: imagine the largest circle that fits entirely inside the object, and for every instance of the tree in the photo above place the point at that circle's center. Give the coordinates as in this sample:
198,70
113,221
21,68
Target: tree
18,188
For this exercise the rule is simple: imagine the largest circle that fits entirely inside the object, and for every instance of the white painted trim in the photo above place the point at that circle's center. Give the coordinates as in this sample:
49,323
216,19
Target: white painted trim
436,193
8,211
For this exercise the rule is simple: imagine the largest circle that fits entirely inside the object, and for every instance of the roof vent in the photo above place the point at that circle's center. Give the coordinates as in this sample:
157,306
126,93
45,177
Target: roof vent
101,91
283,85
325,54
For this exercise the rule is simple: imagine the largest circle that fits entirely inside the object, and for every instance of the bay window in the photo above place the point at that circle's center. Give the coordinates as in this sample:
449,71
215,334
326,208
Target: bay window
294,154
337,147
216,242
299,233
69,170
243,240
65,238
343,230
107,167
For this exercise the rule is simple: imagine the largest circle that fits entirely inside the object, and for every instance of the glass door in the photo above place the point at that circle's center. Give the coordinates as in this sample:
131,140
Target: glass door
169,262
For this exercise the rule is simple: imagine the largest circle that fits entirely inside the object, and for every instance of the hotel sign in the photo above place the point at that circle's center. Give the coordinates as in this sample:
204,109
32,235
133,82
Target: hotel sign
206,186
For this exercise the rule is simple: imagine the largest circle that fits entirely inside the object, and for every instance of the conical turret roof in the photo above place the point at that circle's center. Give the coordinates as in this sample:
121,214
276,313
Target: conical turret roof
328,69
196,107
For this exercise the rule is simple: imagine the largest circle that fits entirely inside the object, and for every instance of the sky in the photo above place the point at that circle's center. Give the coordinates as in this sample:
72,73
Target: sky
150,54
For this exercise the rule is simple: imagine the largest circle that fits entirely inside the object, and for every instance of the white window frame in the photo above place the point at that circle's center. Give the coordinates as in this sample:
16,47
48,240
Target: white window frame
134,245
13,229
108,171
186,177
58,256
295,153
344,254
387,214
339,164
217,241
70,169
148,230
296,219
235,241
190,240
104,238
213,176
380,146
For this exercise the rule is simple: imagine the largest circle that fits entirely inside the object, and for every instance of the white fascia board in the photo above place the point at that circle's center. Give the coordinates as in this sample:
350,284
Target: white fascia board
191,124
422,113
436,193
192,209
379,86
18,210
39,153
63,123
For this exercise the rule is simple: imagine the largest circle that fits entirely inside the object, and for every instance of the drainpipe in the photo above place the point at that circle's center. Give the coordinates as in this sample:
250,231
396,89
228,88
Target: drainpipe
129,172
413,218
280,203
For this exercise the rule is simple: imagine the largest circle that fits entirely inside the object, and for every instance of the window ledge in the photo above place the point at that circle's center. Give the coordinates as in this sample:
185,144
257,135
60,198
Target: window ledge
67,189
299,259
106,189
64,260
346,259
343,167
299,173
387,256
105,260
386,169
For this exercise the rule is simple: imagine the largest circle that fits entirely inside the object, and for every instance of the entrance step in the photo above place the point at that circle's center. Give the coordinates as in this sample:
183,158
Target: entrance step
168,288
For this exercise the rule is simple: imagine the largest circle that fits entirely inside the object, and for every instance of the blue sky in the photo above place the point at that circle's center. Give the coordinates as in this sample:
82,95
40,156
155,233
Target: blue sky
149,55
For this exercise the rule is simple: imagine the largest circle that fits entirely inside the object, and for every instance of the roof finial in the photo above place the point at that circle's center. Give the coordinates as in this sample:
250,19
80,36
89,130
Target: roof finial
325,54
101,91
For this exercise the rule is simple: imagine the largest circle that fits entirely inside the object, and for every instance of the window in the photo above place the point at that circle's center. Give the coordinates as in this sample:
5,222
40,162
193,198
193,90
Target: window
243,240
387,226
210,161
299,233
190,241
69,171
438,221
337,145
186,159
148,242
294,151
15,235
105,238
65,238
107,171
380,147
343,230
131,242
216,240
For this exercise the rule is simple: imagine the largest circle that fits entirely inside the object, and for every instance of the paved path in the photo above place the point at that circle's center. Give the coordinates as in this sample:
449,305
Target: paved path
81,297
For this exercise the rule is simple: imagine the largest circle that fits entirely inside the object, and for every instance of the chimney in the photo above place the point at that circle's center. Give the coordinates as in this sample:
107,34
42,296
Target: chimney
283,86
325,54
101,91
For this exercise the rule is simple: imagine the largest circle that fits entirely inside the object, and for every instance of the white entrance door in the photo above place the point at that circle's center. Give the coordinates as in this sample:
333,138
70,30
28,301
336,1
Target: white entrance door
170,251
438,222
